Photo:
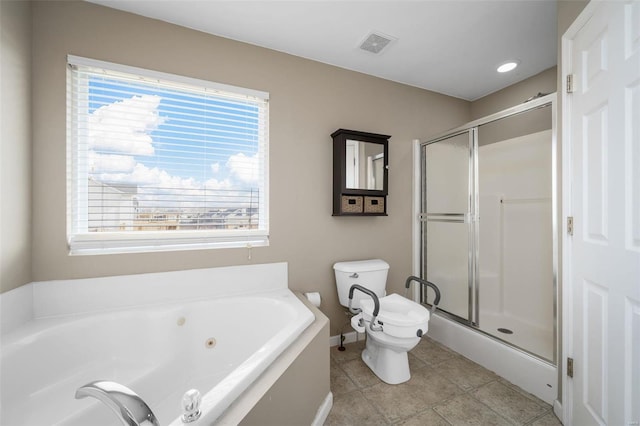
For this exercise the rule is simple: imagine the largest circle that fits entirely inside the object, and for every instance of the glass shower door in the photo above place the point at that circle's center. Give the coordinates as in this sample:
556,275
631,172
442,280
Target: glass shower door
446,222
515,230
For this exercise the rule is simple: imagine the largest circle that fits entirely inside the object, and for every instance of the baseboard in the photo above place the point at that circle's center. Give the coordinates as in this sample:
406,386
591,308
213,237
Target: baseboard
557,410
323,411
349,337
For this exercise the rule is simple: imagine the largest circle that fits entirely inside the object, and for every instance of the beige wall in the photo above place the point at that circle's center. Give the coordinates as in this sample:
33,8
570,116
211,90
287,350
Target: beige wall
544,82
308,102
15,146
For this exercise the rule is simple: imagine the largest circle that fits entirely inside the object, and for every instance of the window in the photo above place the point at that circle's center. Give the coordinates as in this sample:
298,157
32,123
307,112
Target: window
162,162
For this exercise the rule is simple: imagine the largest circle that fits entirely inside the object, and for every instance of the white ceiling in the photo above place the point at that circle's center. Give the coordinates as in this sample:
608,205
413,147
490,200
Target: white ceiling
449,46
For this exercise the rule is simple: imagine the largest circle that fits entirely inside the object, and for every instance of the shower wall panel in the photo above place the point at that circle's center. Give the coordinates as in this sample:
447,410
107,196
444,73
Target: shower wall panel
516,244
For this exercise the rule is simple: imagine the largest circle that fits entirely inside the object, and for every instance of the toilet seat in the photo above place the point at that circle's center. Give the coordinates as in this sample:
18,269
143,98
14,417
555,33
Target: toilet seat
399,316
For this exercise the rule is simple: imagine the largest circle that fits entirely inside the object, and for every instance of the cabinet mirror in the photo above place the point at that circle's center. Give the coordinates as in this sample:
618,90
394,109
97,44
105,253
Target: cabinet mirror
364,165
360,172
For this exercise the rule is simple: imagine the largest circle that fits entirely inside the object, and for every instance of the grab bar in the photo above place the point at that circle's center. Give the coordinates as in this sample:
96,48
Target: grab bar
376,305
407,284
128,406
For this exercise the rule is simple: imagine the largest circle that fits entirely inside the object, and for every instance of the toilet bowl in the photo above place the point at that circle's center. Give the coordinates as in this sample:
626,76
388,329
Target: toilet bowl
403,323
393,324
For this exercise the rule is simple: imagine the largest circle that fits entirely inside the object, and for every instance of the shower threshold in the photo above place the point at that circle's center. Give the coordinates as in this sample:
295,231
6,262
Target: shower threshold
528,371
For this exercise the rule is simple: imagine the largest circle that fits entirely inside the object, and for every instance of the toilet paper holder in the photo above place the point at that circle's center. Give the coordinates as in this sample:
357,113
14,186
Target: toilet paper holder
314,298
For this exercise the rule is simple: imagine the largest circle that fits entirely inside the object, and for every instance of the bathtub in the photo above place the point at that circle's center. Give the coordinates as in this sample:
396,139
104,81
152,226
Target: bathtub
165,337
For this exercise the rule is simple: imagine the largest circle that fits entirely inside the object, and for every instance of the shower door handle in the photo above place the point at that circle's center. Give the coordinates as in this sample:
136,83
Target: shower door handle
446,217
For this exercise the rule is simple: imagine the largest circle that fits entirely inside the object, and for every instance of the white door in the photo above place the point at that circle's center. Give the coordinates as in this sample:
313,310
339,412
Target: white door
602,193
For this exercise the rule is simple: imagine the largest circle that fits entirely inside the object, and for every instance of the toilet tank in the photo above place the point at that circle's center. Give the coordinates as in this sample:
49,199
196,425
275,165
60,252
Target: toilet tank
371,274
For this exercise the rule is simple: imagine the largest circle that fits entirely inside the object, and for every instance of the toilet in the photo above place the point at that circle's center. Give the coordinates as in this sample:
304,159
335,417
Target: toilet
398,325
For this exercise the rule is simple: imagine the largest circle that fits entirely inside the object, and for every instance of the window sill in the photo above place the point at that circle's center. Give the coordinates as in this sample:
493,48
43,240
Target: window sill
82,245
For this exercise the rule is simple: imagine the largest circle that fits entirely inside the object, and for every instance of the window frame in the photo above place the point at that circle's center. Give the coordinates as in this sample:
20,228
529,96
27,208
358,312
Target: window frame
87,243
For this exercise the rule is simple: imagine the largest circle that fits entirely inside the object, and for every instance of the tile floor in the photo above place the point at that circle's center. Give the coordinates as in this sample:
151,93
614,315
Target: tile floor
445,389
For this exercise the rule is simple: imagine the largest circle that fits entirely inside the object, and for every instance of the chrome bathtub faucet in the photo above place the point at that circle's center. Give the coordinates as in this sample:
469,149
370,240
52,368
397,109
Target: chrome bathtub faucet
128,406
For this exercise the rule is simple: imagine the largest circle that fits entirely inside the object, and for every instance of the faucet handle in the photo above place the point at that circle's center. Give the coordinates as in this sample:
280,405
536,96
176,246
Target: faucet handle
191,405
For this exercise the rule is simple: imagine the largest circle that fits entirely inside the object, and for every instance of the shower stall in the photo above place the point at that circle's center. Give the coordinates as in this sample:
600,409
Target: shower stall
487,229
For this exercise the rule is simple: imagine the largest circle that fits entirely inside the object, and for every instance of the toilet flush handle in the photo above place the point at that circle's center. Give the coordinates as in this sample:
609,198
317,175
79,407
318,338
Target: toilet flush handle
354,275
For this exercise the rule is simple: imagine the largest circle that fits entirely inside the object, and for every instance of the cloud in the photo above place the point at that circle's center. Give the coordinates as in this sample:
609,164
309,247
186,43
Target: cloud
243,169
156,188
112,163
124,126
142,176
121,131
218,184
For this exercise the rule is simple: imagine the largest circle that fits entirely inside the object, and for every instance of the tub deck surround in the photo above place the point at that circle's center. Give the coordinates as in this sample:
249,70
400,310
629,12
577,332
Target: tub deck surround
105,293
161,334
297,378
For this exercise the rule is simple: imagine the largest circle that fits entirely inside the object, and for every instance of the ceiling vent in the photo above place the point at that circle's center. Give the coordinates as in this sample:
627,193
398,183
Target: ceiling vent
375,42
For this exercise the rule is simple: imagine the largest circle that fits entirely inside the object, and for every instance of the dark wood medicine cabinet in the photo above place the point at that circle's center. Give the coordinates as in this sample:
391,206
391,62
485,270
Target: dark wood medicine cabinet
360,173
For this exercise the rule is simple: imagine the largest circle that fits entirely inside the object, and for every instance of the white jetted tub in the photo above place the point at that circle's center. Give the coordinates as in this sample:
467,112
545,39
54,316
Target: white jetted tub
215,330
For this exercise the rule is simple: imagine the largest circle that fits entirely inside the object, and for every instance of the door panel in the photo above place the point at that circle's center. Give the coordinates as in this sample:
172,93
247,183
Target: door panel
448,260
446,225
604,259
447,174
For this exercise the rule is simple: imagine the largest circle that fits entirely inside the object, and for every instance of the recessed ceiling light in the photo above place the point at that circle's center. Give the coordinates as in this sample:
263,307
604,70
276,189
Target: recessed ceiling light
508,66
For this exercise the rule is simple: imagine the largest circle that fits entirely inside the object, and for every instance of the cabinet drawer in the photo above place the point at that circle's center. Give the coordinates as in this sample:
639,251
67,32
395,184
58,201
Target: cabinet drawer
351,204
374,204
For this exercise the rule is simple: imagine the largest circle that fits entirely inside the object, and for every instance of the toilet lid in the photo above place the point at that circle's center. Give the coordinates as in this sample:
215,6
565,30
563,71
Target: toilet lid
397,310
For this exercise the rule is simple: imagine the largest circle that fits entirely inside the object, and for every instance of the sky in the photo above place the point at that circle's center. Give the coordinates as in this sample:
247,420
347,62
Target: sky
178,140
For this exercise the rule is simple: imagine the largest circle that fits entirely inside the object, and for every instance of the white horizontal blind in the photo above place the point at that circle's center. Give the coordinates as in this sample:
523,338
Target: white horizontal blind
162,160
